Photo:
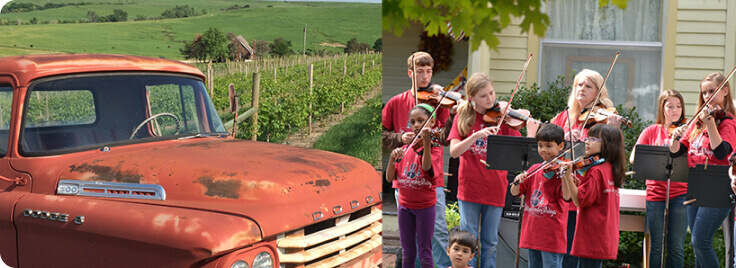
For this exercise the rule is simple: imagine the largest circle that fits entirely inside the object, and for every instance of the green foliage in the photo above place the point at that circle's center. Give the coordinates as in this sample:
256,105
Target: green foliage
280,47
378,45
543,104
92,17
164,37
215,44
353,47
358,135
118,15
452,215
284,104
482,20
631,134
179,12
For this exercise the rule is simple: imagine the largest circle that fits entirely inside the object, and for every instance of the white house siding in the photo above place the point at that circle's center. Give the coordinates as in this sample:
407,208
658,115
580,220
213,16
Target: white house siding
704,43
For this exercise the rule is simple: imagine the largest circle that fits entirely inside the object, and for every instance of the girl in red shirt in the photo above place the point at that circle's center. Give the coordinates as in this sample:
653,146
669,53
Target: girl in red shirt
417,176
481,193
597,198
711,142
670,113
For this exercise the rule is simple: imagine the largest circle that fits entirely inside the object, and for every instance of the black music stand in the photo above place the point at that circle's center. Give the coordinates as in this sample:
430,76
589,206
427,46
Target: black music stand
511,153
713,187
655,163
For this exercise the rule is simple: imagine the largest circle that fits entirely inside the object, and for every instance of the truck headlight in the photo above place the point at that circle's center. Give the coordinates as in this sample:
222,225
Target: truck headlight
240,264
263,260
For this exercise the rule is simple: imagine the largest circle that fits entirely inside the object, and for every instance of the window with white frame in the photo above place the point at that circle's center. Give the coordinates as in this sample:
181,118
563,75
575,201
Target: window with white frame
584,36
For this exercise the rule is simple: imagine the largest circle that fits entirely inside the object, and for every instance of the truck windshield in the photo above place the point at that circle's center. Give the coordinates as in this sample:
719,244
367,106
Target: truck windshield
85,112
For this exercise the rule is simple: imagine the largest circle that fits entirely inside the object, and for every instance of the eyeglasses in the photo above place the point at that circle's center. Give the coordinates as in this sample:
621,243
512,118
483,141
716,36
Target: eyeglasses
591,139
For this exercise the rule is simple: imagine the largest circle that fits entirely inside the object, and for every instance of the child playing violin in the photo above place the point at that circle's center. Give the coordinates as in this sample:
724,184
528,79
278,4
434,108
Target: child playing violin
545,218
417,175
712,142
596,235
481,193
397,132
585,88
670,115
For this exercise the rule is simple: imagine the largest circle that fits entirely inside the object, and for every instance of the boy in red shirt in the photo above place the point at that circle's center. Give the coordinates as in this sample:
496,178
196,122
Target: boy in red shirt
545,217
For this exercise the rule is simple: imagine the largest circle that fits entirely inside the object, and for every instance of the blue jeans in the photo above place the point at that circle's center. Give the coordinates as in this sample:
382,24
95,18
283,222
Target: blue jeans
704,223
676,230
489,217
568,260
589,263
440,238
543,259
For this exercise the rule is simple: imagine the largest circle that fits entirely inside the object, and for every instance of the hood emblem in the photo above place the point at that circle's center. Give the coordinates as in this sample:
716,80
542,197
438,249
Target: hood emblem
111,189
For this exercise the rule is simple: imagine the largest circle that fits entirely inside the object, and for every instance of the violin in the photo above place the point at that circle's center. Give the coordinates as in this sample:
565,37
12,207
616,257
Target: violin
432,97
598,114
717,112
434,135
577,164
515,118
675,125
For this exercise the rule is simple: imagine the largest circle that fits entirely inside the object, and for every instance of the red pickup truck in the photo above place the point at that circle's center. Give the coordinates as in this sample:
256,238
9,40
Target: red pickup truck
122,161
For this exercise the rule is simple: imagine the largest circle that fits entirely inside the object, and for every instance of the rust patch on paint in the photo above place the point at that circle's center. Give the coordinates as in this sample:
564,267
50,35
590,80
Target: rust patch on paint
322,183
221,188
105,173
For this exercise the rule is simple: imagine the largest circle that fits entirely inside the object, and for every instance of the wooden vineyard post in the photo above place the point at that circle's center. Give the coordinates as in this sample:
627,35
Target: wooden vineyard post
309,124
344,67
210,77
231,97
362,71
254,104
274,74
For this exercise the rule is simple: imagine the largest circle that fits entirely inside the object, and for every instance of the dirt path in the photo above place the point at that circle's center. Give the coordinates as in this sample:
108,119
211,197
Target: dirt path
302,139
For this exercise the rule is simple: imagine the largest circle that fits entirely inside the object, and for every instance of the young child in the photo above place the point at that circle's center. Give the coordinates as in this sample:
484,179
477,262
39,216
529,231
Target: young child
481,193
711,142
396,133
545,215
417,176
597,198
462,248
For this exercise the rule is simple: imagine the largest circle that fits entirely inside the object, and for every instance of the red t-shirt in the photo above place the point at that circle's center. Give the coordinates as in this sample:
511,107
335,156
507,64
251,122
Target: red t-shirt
596,233
416,189
395,116
476,183
699,148
544,225
656,190
561,120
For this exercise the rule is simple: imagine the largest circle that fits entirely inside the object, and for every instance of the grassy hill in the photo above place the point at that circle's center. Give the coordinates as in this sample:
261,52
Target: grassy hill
327,23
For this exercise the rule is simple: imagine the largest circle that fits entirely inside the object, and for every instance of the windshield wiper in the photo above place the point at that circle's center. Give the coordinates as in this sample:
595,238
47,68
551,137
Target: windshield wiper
206,135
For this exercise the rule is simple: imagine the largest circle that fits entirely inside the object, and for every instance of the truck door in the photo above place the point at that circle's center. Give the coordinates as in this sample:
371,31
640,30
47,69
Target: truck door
13,185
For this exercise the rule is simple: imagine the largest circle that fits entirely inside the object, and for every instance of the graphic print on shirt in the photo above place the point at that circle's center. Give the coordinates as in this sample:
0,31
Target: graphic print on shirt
479,147
413,178
697,148
539,204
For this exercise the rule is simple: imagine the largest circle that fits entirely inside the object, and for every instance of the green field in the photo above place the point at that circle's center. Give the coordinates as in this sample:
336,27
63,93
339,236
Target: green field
327,23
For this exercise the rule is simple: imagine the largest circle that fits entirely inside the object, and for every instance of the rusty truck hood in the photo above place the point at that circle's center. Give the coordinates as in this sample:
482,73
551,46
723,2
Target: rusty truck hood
279,187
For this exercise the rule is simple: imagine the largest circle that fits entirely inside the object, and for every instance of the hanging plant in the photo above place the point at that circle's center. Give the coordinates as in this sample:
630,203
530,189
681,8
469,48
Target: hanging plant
440,47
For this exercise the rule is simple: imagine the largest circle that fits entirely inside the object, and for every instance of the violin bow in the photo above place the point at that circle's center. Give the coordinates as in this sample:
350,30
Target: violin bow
569,127
416,137
503,113
547,163
721,86
600,90
414,80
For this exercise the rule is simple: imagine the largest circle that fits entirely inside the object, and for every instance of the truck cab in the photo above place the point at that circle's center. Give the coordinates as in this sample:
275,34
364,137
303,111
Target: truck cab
123,161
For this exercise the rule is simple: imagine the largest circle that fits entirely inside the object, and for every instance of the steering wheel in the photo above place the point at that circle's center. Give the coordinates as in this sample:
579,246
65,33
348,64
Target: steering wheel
176,119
